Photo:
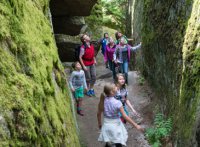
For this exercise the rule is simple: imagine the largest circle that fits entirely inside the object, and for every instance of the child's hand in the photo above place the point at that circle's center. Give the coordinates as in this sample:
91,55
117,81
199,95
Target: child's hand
140,128
85,68
73,89
95,62
86,89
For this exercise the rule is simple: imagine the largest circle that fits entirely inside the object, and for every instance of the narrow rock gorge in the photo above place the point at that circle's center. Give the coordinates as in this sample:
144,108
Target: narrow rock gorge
170,59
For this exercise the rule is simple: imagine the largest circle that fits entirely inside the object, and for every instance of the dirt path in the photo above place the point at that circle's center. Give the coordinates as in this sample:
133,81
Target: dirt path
139,95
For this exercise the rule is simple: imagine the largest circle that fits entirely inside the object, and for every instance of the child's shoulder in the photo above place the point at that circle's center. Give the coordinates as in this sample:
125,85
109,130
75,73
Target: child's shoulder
81,71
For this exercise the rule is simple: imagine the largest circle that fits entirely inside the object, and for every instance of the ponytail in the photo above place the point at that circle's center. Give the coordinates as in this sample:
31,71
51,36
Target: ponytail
101,102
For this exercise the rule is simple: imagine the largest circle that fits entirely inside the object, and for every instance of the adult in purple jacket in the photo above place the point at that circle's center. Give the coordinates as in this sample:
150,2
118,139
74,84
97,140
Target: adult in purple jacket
108,56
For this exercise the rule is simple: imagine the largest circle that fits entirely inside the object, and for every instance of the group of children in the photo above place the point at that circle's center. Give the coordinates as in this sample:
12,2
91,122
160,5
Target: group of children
114,99
117,53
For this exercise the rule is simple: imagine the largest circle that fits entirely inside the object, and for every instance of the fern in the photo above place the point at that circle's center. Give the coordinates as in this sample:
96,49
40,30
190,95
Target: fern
162,129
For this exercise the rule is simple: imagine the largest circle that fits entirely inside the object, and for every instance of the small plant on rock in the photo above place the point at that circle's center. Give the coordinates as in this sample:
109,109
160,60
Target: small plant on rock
158,135
141,80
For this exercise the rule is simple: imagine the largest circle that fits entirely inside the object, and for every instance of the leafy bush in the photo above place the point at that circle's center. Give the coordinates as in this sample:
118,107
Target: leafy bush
161,130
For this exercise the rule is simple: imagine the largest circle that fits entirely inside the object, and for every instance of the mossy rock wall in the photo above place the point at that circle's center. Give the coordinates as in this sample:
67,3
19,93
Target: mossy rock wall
170,60
34,101
189,101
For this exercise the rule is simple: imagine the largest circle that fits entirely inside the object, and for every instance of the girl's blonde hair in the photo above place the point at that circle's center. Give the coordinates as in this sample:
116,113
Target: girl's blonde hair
108,88
117,79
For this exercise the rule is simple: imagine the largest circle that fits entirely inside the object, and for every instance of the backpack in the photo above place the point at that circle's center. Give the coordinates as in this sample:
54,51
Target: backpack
77,52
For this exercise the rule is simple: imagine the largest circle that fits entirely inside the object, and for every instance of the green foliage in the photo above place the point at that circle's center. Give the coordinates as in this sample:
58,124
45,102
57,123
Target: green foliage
141,80
95,29
114,14
162,129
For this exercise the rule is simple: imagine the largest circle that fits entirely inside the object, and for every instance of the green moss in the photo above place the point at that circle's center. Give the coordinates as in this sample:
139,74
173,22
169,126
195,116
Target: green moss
35,103
190,86
171,61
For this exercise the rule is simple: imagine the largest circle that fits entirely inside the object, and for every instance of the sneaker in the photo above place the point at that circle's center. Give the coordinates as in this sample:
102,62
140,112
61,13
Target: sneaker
88,93
80,113
92,92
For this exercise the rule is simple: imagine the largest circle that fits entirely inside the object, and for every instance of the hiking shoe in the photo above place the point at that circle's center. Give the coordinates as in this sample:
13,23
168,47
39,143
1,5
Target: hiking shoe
92,92
80,113
88,93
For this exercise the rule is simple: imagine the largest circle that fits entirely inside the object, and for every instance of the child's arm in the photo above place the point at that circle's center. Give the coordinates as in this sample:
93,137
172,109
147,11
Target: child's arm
131,107
82,51
95,61
136,47
84,81
127,118
70,82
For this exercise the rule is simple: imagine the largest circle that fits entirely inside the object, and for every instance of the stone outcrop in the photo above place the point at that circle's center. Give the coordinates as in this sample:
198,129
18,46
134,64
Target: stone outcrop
67,15
66,47
68,19
71,7
68,25
170,60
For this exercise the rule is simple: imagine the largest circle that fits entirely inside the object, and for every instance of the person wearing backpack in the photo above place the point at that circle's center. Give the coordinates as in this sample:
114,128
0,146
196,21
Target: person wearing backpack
88,61
122,56
104,42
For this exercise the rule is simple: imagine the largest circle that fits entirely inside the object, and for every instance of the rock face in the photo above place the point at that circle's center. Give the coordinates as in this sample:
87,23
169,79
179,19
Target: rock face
170,60
71,7
68,25
66,47
65,15
34,98
67,19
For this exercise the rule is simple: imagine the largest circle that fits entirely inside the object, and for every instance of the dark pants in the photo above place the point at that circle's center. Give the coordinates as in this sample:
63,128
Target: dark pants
112,68
124,69
116,145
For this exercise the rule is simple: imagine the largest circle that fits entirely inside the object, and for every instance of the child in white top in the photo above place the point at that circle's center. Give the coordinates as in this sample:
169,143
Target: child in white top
113,130
122,95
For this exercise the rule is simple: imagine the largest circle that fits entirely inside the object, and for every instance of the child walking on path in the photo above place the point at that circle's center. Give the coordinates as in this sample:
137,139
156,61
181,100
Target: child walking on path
122,95
77,84
113,130
108,57
122,56
88,61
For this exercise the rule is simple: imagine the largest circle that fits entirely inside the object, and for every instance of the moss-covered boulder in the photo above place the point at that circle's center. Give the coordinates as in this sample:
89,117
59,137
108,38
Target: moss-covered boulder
34,101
